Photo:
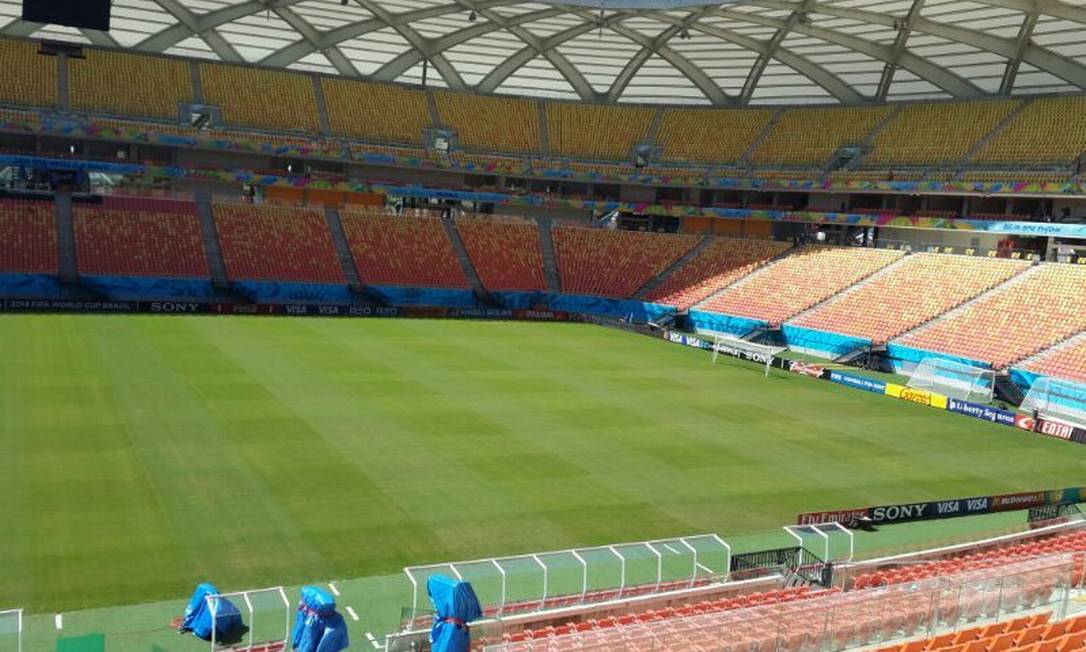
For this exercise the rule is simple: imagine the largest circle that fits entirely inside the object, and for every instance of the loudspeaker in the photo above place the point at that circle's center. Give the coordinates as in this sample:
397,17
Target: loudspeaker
91,14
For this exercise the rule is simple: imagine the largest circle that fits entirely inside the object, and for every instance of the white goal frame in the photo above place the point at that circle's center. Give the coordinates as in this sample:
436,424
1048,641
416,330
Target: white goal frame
246,607
755,350
15,615
982,385
1058,399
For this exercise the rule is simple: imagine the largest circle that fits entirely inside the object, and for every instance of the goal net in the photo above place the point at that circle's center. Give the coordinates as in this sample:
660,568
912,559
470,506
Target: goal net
744,350
11,630
265,616
1058,399
955,379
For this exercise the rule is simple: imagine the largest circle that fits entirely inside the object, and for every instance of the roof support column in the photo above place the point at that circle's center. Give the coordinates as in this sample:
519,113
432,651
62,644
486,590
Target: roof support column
904,28
796,17
1010,73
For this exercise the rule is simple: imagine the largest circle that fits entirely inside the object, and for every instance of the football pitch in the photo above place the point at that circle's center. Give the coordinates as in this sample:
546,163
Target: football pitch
139,455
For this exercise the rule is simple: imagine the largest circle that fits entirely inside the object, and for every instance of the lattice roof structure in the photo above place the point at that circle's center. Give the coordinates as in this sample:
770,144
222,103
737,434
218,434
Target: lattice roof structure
640,51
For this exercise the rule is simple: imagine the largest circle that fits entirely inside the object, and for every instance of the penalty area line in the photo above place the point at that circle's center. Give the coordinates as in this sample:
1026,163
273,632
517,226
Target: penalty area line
352,614
373,641
335,591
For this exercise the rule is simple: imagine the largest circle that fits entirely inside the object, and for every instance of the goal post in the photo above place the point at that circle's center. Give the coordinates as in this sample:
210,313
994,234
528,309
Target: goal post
1058,399
737,348
954,379
11,630
265,614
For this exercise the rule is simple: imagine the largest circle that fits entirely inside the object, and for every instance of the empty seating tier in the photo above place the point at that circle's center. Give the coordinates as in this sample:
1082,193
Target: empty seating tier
1065,361
382,112
1073,542
104,82
402,251
276,243
925,134
614,263
255,97
1048,130
719,264
506,252
709,135
1022,634
596,131
1046,306
797,282
502,124
28,231
139,237
921,288
811,136
29,78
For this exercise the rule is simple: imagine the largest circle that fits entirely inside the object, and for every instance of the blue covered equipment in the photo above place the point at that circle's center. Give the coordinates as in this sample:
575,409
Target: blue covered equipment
198,614
317,626
455,605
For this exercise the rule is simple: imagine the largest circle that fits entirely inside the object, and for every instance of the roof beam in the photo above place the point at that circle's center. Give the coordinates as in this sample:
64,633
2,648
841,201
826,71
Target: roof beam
904,28
1010,73
397,22
937,75
341,63
1060,66
816,73
799,14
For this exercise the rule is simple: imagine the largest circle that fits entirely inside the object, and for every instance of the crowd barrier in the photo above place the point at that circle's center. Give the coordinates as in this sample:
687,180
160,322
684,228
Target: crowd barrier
722,323
29,285
146,288
904,359
821,343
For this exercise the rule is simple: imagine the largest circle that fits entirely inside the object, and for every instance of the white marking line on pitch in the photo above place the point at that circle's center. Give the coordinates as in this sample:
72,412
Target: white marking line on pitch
351,613
332,585
373,641
707,570
59,620
673,551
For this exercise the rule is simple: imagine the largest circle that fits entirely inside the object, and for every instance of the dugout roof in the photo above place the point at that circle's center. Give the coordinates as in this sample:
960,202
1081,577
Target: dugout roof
652,51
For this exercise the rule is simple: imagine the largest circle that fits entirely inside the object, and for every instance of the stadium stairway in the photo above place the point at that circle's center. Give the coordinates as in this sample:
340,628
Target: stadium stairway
211,241
544,135
343,250
1005,389
770,125
550,266
66,269
653,283
1011,282
996,130
481,293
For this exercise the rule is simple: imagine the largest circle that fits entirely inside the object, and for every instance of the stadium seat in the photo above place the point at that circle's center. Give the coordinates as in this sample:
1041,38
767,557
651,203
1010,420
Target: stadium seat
381,112
614,263
595,131
256,97
919,289
1063,361
1046,131
811,136
28,232
800,280
683,132
505,251
721,263
402,250
276,243
490,123
139,237
102,82
29,79
1046,305
936,133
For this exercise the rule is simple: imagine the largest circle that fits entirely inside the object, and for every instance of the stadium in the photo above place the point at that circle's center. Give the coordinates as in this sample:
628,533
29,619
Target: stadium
533,326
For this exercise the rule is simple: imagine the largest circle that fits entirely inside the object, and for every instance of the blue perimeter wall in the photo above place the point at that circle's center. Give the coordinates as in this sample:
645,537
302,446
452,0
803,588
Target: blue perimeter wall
285,292
831,345
721,323
640,311
906,354
139,288
35,286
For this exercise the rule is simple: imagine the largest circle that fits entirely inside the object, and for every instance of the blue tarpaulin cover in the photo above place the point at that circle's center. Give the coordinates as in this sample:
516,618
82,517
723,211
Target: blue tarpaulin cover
455,605
317,626
198,616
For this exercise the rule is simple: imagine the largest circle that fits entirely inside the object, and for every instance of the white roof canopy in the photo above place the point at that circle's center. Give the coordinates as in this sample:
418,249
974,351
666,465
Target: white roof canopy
725,54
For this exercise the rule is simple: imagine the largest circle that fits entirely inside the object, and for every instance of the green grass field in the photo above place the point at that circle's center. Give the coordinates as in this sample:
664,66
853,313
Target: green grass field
139,455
